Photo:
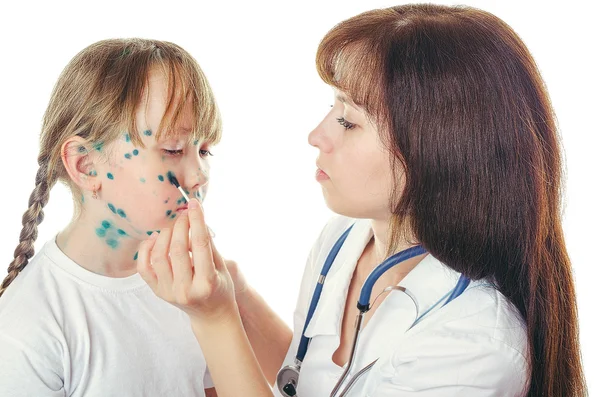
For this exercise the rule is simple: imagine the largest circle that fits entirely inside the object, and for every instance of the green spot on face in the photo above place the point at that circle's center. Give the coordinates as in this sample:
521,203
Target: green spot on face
122,232
149,232
112,208
148,133
127,137
128,156
136,152
161,178
112,243
135,256
169,212
110,176
121,213
82,198
173,215
98,146
105,224
195,142
100,232
143,180
81,149
167,200
93,173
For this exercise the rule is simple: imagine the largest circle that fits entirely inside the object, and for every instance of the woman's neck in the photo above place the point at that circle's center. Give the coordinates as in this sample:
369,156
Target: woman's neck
376,252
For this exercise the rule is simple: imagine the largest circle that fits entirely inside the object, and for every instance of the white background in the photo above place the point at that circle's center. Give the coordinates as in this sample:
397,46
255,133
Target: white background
264,203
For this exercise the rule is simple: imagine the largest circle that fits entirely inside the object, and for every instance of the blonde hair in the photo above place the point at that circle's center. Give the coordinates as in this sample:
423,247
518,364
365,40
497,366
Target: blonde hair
95,98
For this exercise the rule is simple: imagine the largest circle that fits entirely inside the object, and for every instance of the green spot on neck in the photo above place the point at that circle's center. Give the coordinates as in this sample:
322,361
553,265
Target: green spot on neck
112,243
110,176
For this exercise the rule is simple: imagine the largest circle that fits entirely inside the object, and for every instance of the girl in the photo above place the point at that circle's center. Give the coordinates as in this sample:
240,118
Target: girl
442,146
77,320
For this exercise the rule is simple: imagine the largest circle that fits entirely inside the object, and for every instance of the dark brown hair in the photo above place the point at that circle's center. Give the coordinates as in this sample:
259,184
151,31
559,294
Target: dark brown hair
96,97
461,104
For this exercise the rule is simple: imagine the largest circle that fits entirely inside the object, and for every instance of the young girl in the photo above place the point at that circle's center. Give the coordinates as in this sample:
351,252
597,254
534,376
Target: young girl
77,320
441,145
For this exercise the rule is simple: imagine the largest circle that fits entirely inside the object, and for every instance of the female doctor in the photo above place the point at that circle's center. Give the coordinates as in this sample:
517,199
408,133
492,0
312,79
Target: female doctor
442,158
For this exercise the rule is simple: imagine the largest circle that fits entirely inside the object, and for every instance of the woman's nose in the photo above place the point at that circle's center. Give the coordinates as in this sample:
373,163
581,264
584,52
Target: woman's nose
320,138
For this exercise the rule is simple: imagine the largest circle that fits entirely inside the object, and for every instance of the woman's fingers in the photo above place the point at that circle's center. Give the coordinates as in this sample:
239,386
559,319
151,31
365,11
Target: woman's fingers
159,258
204,265
180,254
144,267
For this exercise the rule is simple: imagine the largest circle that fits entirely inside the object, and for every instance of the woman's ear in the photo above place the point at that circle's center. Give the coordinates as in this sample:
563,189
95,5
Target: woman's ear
78,157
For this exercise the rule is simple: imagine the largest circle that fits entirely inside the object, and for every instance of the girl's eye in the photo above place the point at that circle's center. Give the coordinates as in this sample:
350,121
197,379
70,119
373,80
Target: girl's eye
204,153
173,152
345,123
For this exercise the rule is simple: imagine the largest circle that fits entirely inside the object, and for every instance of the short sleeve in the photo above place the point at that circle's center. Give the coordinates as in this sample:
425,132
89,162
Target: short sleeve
452,364
25,372
208,382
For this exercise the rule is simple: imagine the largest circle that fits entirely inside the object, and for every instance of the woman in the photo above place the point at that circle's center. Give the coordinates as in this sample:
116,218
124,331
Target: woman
441,146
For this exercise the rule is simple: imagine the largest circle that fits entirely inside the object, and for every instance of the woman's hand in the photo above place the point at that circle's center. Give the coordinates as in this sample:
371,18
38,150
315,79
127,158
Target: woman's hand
200,285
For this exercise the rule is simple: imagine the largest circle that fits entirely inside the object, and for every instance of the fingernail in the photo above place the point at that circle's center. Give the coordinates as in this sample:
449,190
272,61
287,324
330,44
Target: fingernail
193,204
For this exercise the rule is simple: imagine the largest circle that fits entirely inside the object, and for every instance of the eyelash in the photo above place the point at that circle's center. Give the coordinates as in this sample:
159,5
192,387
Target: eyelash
179,152
345,123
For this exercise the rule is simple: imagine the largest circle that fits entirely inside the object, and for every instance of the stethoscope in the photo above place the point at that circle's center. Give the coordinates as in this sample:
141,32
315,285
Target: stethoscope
287,377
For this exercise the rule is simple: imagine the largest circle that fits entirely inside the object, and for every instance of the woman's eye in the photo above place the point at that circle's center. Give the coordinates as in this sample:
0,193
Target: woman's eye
345,123
173,152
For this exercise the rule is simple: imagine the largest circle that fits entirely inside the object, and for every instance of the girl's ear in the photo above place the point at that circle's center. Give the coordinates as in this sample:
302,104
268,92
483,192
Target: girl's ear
79,158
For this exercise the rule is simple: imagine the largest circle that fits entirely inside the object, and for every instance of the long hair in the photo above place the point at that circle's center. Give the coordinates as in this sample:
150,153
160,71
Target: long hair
96,97
461,105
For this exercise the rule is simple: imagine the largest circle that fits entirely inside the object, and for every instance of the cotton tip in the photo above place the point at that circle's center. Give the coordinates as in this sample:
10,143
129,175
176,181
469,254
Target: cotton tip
171,177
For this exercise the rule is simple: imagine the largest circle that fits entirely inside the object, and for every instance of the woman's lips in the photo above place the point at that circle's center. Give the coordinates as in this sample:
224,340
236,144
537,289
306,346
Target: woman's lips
321,175
182,208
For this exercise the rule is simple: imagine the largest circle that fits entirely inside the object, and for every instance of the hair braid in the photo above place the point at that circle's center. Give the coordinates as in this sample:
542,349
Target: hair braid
32,217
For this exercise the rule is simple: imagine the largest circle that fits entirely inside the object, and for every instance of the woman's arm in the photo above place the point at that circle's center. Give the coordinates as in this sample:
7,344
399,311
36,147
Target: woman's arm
233,365
269,336
203,288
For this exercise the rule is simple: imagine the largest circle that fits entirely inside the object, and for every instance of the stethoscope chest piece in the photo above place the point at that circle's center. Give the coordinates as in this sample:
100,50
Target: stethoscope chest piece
287,380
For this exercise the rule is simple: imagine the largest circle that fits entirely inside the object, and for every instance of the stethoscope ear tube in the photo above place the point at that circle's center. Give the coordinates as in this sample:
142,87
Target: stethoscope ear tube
367,288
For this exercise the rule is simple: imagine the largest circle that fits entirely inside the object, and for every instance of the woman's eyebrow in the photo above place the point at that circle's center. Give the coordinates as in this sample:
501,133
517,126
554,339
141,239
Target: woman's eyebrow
345,100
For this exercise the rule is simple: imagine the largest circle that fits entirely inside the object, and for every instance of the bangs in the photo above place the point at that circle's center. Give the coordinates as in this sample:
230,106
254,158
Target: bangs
351,58
186,85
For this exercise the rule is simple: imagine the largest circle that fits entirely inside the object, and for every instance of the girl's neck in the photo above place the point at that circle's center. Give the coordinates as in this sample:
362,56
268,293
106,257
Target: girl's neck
99,246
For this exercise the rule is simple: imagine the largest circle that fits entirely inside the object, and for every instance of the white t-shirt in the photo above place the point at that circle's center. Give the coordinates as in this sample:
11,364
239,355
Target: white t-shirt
65,331
476,345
